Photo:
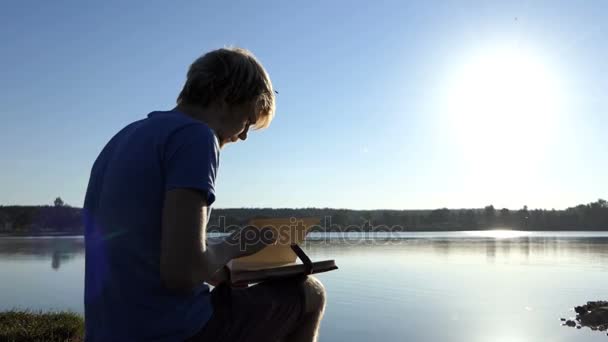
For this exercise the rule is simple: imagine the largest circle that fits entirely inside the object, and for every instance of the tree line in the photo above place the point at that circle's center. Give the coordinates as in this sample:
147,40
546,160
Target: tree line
62,218
58,217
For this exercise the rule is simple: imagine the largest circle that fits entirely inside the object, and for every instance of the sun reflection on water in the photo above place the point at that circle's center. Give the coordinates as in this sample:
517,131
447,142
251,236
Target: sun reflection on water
498,233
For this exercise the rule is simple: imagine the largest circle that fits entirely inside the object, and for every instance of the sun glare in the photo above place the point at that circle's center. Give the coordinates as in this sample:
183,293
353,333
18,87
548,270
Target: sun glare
505,100
502,111
499,233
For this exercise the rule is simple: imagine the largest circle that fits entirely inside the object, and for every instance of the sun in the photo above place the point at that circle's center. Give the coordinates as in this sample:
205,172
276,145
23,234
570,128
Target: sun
505,100
501,109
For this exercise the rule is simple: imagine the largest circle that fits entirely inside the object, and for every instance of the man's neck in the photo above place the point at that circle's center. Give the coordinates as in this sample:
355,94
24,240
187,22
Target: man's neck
209,115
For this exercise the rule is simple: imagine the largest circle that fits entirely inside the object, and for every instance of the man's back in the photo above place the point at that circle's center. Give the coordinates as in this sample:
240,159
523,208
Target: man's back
124,296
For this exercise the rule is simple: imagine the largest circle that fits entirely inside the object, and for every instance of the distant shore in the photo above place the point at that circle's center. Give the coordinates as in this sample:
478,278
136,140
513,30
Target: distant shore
62,220
72,234
40,234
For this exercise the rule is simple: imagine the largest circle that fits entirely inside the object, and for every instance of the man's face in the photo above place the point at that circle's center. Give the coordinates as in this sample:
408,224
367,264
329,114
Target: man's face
236,122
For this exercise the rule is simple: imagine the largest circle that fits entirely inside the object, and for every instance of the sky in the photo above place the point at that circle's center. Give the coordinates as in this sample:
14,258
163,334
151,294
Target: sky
381,105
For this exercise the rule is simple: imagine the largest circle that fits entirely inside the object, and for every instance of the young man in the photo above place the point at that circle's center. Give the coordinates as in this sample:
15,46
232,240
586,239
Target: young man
146,210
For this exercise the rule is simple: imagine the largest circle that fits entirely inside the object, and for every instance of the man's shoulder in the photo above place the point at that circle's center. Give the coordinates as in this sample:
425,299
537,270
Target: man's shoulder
174,131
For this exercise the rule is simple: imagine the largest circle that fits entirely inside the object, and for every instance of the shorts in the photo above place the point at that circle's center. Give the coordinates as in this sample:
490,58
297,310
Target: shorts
268,311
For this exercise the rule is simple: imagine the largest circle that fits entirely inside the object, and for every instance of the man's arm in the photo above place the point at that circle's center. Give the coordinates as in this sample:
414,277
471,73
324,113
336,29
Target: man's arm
186,259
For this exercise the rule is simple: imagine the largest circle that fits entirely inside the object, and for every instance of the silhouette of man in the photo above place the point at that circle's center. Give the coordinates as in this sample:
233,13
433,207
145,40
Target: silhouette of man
148,263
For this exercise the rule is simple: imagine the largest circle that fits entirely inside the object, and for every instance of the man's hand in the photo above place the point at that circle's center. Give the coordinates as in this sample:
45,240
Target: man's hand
187,260
221,276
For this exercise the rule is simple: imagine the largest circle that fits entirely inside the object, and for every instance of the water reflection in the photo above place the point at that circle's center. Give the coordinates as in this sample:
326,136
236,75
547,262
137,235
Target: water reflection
491,251
57,250
456,288
519,249
413,286
541,249
59,258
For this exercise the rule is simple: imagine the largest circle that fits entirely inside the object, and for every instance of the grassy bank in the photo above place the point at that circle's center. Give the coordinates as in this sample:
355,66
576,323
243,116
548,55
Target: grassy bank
21,326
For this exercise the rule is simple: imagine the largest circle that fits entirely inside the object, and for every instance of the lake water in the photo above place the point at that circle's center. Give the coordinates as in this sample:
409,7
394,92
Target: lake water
459,286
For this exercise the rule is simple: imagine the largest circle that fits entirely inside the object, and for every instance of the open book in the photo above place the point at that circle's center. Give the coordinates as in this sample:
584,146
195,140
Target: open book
279,260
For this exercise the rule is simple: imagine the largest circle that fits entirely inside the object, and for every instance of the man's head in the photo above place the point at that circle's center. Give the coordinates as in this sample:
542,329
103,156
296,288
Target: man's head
234,91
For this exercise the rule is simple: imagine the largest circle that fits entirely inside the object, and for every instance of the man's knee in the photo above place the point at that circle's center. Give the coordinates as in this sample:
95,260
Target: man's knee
314,295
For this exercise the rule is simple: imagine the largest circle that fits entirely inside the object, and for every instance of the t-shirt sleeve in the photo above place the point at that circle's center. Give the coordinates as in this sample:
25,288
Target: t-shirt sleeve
191,160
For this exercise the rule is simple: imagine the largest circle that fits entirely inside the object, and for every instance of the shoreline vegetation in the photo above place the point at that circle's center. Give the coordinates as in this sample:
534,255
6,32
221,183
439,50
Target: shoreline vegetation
53,326
65,326
61,219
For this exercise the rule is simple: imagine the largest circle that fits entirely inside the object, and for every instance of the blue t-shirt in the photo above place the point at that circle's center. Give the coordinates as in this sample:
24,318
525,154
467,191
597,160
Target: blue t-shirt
124,297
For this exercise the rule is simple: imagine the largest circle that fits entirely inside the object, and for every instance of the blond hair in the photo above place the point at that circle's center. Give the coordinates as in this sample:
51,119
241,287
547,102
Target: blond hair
233,75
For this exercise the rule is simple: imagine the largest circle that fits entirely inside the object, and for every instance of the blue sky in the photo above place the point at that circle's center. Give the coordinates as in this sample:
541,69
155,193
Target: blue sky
366,116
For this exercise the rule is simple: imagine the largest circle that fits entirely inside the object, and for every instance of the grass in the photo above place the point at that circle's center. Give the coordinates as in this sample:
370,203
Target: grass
22,326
